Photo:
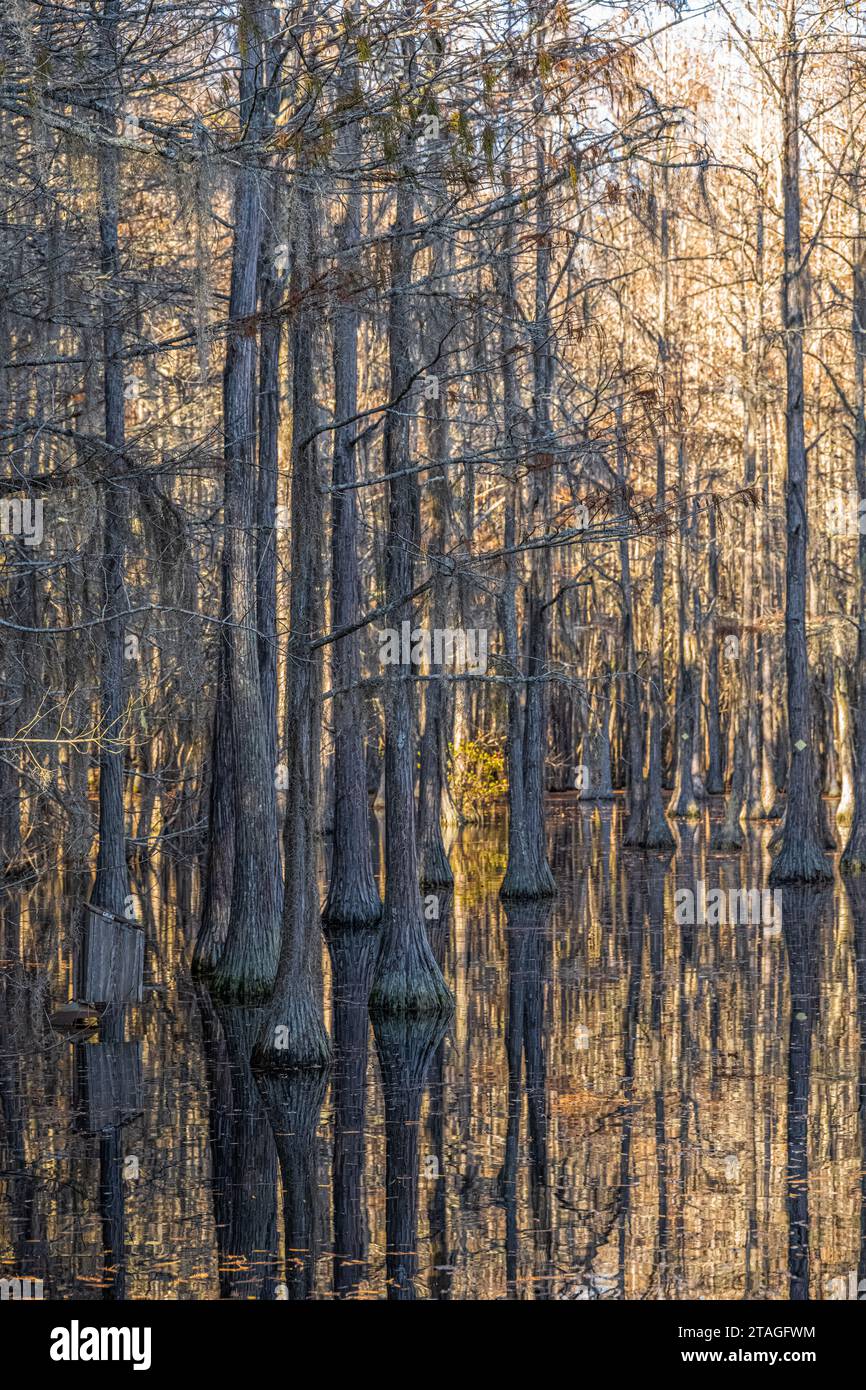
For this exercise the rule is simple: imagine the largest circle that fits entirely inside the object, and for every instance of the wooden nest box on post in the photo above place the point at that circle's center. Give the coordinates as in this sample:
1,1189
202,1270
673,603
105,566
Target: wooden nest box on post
111,959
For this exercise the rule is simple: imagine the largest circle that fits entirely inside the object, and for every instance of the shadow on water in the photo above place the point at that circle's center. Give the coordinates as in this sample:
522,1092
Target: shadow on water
632,1101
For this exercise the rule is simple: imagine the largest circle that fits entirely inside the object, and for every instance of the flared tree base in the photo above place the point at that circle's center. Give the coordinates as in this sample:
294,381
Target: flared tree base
525,882
727,839
634,830
205,960
657,834
358,911
245,987
685,808
853,861
435,869
292,1036
407,981
800,861
247,967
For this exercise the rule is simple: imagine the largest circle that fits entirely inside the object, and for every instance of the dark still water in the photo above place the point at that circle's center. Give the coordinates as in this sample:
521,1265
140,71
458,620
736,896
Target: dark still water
633,1100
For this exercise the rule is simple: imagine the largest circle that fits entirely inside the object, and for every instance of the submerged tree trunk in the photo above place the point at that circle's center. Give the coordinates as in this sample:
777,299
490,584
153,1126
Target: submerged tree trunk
715,778
293,1031
407,979
272,290
435,868
684,801
728,835
219,865
528,873
655,832
353,898
633,831
854,855
111,887
801,856
842,728
246,968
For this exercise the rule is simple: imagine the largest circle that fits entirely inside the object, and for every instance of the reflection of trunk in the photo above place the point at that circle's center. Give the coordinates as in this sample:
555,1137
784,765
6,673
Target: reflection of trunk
801,856
246,968
112,1212
656,915
293,1101
856,889
405,1048
111,888
528,937
293,1032
243,1156
442,1257
803,912
353,898
636,907
408,980
353,955
23,1216
103,1111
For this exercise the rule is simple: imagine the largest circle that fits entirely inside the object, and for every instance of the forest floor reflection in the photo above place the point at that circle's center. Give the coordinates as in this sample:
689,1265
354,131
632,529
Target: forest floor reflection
623,1105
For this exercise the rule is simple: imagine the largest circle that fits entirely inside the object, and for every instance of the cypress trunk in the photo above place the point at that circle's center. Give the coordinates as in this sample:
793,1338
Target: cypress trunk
245,972
407,979
293,1031
111,887
801,855
353,898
